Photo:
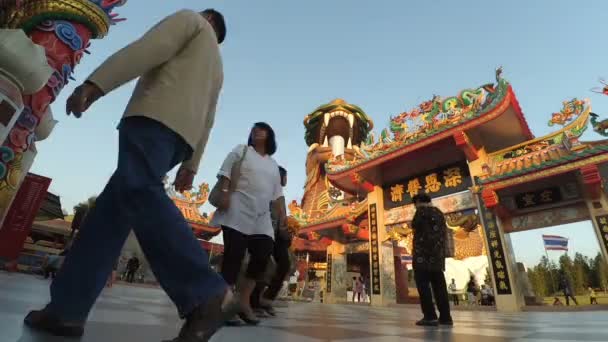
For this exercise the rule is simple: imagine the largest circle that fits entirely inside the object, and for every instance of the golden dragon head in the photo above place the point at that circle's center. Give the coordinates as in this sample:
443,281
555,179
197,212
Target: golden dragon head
336,128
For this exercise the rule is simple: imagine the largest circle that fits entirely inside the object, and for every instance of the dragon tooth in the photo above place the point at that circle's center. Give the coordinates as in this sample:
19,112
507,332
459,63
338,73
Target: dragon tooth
350,144
351,120
326,142
326,119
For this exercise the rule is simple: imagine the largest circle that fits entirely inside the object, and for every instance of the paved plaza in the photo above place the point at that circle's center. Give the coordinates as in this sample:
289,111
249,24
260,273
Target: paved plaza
131,314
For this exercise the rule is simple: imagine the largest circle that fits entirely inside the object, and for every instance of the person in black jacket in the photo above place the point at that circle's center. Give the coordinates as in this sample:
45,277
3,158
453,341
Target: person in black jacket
429,261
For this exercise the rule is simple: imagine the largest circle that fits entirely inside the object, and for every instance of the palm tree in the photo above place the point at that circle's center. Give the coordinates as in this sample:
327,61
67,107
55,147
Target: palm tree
80,212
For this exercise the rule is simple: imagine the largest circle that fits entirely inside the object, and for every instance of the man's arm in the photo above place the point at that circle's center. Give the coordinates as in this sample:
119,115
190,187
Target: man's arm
280,209
194,162
154,48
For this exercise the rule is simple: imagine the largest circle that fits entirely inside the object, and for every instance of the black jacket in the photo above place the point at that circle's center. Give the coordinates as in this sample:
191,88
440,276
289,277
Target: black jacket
429,239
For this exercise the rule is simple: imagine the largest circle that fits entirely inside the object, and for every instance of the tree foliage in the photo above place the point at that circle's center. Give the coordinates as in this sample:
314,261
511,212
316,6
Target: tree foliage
80,212
582,272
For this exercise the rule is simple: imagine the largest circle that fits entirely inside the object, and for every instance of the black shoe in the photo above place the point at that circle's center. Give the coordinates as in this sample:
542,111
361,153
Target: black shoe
446,322
260,313
427,323
247,319
206,320
269,310
43,320
233,322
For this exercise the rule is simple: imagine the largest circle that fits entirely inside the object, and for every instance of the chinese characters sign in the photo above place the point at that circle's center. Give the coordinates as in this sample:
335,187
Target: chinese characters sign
602,223
328,273
436,183
374,248
538,198
497,253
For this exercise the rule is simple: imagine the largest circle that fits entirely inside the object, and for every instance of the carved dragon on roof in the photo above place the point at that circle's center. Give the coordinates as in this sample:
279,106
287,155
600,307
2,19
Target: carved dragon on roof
429,118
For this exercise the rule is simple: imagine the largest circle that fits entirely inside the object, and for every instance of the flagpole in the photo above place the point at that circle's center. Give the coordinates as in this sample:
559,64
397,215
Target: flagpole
550,272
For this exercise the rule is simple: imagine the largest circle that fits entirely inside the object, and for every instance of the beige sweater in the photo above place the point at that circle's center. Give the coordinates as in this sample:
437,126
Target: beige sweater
180,76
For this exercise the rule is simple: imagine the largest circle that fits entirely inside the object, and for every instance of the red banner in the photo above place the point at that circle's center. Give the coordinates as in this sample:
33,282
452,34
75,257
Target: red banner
21,215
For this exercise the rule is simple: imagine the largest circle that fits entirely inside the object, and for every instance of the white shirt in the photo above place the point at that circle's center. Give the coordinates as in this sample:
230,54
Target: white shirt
258,185
294,278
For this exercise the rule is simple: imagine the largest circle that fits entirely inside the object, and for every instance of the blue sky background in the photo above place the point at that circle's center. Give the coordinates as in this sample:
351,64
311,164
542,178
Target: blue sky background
284,58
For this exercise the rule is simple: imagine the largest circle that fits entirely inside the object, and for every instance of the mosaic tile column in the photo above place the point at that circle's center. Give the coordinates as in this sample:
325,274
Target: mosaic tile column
382,262
335,277
598,208
502,265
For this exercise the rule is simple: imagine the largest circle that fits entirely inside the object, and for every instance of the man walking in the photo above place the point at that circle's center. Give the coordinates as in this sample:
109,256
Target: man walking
167,122
454,291
429,261
132,267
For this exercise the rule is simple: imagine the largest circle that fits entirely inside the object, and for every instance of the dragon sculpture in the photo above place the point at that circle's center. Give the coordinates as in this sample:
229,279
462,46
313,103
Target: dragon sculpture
437,113
601,127
569,111
333,130
468,241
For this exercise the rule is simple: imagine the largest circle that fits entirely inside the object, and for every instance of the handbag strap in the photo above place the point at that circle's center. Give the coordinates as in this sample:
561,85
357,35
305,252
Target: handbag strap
236,170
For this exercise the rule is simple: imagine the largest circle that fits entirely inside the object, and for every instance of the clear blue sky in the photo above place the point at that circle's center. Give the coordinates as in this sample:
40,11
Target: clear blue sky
284,58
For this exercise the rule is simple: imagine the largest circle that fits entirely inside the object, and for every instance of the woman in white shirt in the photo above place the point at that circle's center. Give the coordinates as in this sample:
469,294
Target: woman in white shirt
244,213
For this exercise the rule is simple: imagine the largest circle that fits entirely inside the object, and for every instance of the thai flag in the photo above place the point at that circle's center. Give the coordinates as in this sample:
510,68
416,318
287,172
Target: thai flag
406,259
555,243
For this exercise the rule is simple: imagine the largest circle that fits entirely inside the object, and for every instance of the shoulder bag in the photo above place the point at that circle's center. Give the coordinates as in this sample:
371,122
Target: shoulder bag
235,174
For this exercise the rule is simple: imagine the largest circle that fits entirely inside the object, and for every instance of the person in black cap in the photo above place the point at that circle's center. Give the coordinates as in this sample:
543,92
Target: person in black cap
430,233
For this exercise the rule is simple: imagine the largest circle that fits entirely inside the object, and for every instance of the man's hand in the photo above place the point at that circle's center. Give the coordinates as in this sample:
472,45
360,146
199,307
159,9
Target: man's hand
183,180
82,98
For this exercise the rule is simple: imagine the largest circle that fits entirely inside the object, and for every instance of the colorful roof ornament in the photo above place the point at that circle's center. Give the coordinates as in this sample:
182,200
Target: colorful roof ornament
97,15
431,117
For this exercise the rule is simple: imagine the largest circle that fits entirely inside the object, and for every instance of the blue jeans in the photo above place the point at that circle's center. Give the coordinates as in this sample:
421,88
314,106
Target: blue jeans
135,198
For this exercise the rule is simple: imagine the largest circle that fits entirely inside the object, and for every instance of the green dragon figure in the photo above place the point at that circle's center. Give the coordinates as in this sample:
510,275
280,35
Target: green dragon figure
436,113
601,127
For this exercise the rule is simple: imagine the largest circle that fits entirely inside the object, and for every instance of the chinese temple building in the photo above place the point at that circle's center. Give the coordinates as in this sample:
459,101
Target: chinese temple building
475,155
189,204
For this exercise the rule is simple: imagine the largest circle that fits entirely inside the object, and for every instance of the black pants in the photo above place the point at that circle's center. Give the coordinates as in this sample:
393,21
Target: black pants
281,257
235,246
455,299
50,271
130,276
429,283
568,296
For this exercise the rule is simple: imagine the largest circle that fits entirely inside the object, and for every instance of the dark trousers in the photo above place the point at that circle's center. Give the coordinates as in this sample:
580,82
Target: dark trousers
431,283
568,296
135,198
235,245
130,276
281,257
456,299
50,271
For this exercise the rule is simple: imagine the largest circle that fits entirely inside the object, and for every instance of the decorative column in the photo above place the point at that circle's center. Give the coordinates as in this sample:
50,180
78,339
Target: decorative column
382,262
19,76
63,28
502,265
594,180
335,276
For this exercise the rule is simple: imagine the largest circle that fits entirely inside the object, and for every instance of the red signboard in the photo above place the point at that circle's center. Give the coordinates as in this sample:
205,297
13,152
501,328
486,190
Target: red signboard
19,219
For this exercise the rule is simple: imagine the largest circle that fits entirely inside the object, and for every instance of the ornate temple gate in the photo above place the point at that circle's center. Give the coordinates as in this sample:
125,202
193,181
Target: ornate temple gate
517,182
570,194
